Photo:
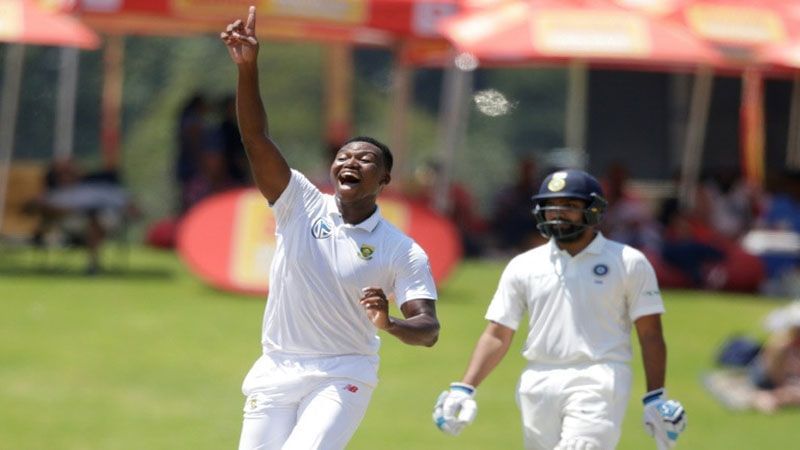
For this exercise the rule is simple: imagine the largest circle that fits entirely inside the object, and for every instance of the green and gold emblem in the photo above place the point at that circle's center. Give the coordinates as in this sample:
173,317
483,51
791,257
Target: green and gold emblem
366,252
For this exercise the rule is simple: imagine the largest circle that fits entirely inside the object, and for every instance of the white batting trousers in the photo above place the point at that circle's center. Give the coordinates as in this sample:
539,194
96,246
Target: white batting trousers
573,408
298,410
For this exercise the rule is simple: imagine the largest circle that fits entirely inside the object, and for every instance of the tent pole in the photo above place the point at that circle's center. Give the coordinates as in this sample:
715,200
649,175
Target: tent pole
453,116
575,124
12,81
402,86
695,135
751,126
338,97
63,138
111,104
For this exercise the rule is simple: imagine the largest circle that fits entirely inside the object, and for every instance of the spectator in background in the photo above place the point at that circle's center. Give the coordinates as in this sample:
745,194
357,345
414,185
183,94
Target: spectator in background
628,218
776,369
233,150
212,177
193,134
727,204
782,208
461,210
682,249
780,215
82,207
512,224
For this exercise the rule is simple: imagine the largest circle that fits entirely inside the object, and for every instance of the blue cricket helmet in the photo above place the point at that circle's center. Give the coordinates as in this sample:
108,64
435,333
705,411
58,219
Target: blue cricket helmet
569,183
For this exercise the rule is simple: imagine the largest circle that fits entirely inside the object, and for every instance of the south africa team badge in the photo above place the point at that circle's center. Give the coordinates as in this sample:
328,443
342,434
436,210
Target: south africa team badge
366,252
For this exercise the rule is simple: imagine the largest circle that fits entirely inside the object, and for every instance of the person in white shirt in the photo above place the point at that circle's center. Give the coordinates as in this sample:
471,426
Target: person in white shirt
583,294
335,263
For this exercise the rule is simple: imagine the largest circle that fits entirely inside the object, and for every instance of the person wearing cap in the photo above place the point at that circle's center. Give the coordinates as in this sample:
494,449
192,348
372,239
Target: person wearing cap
775,371
337,264
583,295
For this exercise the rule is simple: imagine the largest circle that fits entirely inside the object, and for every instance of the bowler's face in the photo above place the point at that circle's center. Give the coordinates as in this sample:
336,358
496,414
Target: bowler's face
358,171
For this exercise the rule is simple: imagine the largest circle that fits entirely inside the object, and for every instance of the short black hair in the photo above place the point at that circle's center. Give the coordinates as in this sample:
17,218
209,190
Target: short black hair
388,159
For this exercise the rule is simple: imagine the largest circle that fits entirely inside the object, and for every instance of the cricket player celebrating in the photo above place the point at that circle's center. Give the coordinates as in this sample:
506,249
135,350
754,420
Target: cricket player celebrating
335,262
583,293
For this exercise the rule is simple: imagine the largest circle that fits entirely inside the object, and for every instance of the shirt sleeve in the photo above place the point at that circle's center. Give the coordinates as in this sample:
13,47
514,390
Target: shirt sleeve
509,302
414,279
642,293
299,196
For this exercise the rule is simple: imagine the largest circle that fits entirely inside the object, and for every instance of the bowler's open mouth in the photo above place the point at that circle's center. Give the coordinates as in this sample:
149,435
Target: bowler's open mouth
349,179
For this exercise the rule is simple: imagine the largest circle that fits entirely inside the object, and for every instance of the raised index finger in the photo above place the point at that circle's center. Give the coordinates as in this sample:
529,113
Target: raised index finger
250,28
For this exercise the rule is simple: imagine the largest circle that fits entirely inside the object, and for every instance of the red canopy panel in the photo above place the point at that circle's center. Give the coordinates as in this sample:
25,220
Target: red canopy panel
377,22
26,22
558,31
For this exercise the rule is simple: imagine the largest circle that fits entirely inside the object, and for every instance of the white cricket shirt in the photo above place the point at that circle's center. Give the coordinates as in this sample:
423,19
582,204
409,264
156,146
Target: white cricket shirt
320,266
580,309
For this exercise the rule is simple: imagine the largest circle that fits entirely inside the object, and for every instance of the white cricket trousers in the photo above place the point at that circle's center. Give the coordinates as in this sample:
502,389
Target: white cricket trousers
579,407
288,408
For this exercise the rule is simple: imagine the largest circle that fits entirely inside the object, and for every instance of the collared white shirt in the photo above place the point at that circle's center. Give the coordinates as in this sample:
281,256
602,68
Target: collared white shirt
580,309
319,268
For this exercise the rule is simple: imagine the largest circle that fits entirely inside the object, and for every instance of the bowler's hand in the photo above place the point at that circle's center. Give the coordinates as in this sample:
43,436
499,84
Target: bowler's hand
240,38
377,306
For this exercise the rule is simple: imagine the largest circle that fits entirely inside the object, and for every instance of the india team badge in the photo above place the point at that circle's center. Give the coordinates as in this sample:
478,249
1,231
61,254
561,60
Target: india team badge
321,228
600,270
557,182
366,252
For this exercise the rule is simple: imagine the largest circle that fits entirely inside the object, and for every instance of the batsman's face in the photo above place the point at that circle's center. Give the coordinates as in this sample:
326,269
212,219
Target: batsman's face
569,211
358,171
565,209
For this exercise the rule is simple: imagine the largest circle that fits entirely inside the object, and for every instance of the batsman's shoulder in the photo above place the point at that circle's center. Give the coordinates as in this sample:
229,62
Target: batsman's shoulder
532,255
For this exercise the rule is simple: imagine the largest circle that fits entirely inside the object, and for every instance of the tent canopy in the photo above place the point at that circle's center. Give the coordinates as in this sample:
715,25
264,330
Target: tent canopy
366,22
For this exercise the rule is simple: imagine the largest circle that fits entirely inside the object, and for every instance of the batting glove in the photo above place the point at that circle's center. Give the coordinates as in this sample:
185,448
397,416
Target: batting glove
455,408
664,419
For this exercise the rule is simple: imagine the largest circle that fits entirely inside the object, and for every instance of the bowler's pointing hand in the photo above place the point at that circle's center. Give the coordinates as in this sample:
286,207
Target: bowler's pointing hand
377,306
240,38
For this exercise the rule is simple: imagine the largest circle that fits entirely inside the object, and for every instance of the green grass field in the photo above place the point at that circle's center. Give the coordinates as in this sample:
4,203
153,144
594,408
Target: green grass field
151,358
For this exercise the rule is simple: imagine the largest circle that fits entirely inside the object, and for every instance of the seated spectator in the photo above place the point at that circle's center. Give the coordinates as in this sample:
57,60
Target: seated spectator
85,208
681,248
776,369
729,203
781,213
628,218
693,255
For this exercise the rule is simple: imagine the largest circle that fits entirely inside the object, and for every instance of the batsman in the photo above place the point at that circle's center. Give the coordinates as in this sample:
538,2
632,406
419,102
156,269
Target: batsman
583,295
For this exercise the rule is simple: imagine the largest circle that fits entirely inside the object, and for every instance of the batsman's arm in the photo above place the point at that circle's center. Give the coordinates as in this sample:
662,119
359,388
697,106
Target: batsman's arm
654,350
492,346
